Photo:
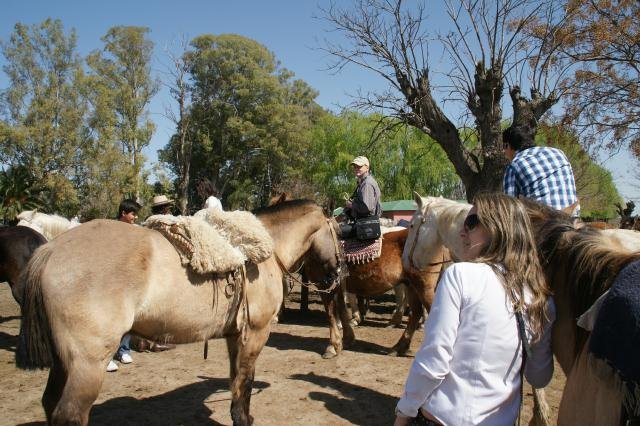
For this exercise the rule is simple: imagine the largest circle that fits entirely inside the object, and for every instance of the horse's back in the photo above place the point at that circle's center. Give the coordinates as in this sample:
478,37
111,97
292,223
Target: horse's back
395,234
383,273
99,268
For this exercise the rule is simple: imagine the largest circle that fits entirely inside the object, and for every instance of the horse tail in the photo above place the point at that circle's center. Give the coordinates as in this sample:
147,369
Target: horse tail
541,410
34,349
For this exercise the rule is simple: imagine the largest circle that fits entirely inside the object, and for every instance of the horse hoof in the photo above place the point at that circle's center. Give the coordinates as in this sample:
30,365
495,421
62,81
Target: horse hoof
399,352
330,352
161,347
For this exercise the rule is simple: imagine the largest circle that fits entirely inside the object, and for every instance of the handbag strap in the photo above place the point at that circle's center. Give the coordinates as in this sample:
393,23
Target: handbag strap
526,353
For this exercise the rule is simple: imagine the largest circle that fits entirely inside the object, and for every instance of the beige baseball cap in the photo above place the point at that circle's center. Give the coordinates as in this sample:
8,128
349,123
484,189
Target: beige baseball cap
360,161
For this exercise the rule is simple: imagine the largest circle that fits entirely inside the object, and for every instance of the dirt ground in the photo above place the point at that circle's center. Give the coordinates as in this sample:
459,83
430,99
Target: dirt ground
293,384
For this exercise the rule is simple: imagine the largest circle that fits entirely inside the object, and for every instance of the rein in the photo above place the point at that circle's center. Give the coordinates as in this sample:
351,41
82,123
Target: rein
413,247
311,285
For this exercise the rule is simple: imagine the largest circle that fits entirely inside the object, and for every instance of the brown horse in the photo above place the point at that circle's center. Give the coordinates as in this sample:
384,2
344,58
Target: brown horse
92,284
379,276
580,264
17,244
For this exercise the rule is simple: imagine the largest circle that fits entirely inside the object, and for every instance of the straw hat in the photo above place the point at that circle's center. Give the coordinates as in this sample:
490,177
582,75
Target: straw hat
160,200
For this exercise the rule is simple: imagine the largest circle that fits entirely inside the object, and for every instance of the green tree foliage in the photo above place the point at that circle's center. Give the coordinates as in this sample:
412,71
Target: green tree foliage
42,119
402,160
249,120
18,191
596,191
122,79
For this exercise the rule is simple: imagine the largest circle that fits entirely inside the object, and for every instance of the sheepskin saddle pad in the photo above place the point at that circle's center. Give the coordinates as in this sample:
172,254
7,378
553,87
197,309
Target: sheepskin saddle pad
215,241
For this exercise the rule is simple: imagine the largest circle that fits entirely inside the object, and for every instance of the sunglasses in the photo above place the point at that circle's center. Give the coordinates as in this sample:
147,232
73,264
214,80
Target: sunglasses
471,222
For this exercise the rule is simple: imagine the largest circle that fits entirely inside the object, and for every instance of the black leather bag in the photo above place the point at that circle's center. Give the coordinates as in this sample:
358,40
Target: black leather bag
368,228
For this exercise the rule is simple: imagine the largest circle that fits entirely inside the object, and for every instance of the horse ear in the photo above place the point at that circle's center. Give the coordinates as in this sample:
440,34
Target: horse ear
418,199
570,209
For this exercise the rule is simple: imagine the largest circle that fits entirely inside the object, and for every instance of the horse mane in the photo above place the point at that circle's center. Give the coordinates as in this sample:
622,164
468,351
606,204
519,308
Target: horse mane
297,207
585,258
51,225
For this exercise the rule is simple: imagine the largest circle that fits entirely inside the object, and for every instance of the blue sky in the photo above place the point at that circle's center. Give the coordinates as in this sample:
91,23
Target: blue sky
286,27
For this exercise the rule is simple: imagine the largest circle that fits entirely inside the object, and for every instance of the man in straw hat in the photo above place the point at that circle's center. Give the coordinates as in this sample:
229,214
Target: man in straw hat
161,205
365,200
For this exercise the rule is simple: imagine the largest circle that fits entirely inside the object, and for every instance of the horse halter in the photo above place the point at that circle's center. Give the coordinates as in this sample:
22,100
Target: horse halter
328,284
413,265
339,272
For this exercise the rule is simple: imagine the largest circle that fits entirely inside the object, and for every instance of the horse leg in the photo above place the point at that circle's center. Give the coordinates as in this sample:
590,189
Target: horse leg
304,299
329,301
84,379
401,348
348,335
53,391
242,362
400,294
353,311
363,306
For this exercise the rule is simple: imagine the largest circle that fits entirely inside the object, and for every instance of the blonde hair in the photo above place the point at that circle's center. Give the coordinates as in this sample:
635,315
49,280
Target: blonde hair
513,254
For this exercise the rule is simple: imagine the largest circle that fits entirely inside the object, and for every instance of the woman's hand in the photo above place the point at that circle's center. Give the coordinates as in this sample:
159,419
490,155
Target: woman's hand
401,420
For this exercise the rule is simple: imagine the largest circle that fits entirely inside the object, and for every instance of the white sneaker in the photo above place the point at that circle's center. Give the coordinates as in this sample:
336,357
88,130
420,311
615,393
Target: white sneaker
126,359
112,366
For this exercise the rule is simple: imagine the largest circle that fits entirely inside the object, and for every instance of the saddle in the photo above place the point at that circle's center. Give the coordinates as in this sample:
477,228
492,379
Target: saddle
215,241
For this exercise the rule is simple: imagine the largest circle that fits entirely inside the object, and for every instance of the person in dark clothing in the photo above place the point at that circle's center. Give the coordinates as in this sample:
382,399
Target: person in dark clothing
365,201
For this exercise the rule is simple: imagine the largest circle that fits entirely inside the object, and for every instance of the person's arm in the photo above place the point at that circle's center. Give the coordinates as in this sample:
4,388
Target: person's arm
509,182
538,368
432,362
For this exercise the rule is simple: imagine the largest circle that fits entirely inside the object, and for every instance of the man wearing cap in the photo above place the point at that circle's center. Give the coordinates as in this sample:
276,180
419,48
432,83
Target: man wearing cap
365,200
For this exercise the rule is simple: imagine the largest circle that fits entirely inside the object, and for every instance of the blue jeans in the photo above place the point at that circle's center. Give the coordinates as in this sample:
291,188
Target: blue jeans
124,346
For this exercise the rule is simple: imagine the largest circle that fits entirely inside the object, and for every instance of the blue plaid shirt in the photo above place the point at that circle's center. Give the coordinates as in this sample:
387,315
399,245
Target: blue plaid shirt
544,174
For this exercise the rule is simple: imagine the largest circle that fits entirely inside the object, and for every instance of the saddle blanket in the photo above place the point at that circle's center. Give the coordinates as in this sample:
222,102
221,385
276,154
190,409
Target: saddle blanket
361,251
615,338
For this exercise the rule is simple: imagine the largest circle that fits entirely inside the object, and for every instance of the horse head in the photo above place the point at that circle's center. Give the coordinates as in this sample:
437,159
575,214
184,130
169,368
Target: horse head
324,262
302,233
436,223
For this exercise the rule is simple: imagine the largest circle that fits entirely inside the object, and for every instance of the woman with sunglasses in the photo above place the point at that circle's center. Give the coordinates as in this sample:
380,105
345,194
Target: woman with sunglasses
468,370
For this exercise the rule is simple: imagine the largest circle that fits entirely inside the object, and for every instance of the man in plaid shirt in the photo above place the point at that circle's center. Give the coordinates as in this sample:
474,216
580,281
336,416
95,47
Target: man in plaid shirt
537,172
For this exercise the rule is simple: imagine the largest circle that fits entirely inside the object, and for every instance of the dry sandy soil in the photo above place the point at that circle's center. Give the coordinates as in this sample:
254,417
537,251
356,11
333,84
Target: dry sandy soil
293,386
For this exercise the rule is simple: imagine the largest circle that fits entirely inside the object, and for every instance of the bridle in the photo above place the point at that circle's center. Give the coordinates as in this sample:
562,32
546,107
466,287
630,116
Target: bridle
423,220
327,285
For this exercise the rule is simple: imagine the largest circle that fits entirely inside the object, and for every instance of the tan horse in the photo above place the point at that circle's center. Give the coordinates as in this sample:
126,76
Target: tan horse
581,263
96,282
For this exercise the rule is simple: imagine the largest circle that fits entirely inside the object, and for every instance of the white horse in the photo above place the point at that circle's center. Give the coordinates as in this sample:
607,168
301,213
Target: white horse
49,225
437,222
626,238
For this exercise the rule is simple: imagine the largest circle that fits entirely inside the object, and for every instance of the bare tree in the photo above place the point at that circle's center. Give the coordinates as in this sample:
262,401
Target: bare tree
601,38
486,47
182,144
